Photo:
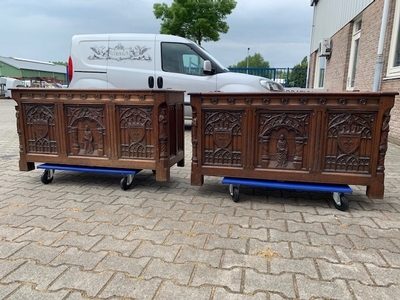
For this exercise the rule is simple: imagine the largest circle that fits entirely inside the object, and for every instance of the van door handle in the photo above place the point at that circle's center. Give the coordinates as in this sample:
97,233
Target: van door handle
160,82
151,82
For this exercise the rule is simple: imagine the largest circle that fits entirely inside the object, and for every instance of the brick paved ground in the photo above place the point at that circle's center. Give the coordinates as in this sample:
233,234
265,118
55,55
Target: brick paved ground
82,237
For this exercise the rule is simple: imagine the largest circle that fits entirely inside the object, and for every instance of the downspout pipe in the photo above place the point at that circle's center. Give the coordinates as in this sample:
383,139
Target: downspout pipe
379,57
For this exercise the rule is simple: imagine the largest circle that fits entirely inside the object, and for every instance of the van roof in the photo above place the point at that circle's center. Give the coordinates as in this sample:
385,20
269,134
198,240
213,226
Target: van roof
130,36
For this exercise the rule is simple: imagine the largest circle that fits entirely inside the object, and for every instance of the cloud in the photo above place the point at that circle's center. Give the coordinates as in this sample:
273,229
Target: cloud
42,30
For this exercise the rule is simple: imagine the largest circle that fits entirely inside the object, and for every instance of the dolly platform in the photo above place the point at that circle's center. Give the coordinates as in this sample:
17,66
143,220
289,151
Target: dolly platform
125,183
337,190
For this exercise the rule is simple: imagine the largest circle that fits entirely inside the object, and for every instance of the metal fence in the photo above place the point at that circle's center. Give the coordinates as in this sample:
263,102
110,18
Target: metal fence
288,77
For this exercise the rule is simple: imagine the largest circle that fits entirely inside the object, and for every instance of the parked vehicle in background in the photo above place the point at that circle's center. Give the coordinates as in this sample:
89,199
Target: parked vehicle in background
154,61
8,83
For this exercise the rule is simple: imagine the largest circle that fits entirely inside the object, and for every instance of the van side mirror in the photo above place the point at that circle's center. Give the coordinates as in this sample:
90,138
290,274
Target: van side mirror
207,67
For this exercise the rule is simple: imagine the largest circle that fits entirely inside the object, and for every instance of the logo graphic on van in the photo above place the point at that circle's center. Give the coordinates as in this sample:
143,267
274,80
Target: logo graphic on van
120,53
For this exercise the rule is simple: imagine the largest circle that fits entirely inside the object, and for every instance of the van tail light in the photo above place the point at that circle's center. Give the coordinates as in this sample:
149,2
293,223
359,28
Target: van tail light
70,70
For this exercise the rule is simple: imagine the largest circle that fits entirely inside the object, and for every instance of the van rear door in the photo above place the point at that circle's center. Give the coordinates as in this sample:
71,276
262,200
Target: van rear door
131,61
88,61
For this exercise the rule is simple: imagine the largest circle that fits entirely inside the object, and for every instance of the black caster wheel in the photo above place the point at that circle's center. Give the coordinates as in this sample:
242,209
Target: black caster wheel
344,203
126,182
235,194
47,176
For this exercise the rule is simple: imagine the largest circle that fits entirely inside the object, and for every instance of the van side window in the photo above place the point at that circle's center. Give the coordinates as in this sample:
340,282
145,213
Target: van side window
180,58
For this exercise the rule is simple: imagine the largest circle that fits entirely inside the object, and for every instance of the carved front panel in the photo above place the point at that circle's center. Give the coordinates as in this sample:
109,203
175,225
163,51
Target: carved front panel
349,142
282,140
40,130
223,139
86,130
136,129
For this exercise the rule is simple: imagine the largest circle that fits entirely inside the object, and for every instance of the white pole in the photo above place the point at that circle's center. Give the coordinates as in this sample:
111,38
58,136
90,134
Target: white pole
379,57
247,60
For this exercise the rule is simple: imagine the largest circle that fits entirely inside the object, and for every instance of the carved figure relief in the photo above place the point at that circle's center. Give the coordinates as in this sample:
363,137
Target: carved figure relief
282,151
88,140
163,136
282,138
86,129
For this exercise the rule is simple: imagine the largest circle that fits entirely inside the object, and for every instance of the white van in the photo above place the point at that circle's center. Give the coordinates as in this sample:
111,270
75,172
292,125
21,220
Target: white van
154,61
10,83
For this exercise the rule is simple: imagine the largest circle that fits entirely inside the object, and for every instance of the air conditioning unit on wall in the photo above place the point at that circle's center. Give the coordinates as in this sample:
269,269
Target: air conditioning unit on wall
325,47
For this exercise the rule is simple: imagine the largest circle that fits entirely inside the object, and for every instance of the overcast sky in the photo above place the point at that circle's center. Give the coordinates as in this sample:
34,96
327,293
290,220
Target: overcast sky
280,30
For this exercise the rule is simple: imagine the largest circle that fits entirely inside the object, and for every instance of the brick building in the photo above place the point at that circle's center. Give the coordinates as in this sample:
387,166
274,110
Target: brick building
347,36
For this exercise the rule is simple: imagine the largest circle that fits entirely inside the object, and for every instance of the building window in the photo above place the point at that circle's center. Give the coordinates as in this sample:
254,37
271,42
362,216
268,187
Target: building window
355,43
394,53
320,67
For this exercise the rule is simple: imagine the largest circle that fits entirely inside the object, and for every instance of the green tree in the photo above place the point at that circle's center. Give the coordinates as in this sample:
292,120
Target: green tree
298,76
197,20
254,61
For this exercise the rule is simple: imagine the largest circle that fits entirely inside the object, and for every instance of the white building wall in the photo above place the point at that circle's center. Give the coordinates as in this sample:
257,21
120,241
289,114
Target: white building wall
331,15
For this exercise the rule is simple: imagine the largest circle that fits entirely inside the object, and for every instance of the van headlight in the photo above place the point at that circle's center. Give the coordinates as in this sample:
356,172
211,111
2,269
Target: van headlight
271,85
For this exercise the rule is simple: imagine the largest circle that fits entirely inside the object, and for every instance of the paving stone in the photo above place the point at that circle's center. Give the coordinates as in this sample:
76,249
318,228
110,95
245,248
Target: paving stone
41,253
7,289
169,290
254,261
111,244
384,276
30,272
224,211
317,289
239,221
72,239
330,271
205,275
73,214
235,244
294,226
10,233
202,228
9,248
166,253
333,240
76,226
392,257
129,265
172,225
136,288
223,294
162,213
258,233
190,239
28,292
381,243
89,282
135,220
118,232
280,249
209,257
277,236
139,233
41,236
42,222
260,282
179,273
304,266
200,217
73,256
362,256
7,266
375,292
